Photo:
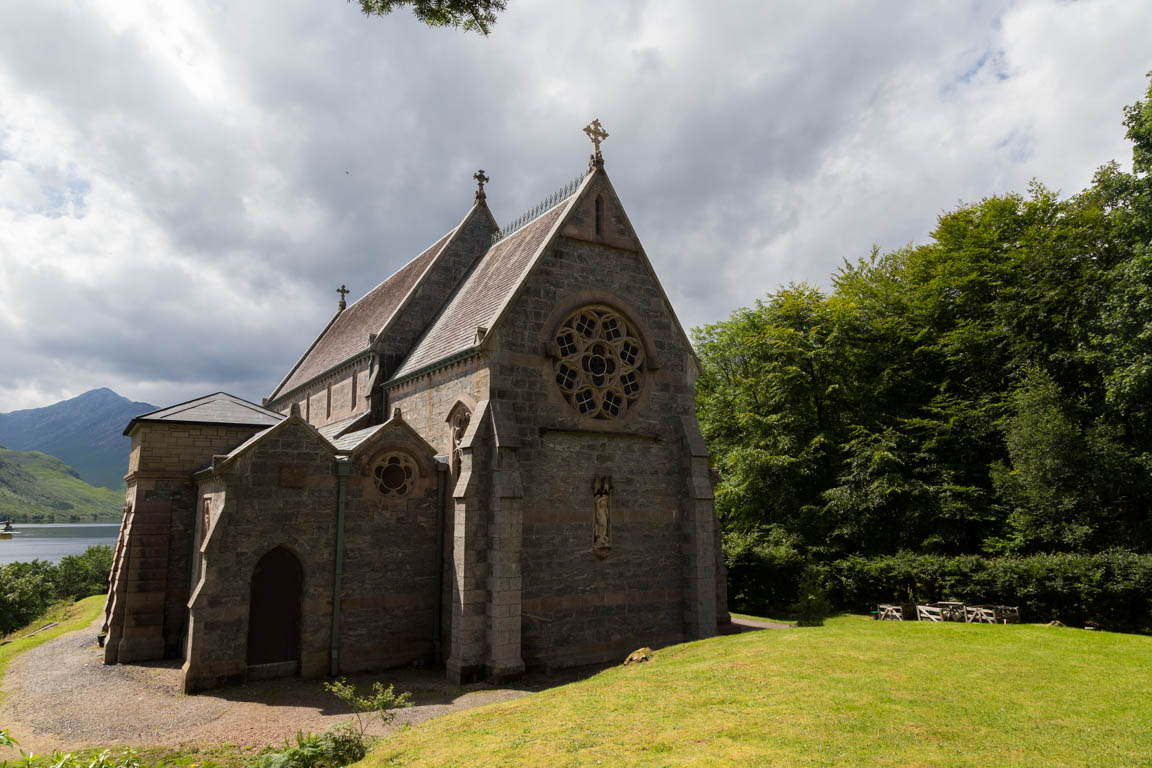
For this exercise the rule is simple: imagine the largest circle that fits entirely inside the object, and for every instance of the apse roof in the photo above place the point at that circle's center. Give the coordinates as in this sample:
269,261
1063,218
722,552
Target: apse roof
217,408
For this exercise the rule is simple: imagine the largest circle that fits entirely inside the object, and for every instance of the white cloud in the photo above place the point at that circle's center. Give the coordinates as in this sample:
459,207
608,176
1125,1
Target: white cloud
183,187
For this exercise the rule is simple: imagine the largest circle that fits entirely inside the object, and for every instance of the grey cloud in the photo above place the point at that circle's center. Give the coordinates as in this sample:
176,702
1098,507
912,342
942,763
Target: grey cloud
752,145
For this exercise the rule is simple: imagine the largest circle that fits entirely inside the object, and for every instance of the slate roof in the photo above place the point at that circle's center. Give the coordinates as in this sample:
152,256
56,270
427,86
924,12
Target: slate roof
347,333
334,429
349,441
217,408
484,292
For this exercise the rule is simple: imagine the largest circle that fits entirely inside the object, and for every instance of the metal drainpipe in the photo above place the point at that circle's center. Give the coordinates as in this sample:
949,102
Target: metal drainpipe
343,469
437,618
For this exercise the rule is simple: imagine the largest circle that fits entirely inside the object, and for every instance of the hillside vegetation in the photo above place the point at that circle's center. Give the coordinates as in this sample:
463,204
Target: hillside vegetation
40,488
854,692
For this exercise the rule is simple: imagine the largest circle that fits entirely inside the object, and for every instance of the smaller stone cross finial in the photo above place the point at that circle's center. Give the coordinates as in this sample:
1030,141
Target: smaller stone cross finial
481,180
343,291
597,134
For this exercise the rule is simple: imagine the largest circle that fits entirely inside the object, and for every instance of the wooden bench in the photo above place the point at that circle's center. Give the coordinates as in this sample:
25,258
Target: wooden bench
928,613
887,612
1007,614
980,614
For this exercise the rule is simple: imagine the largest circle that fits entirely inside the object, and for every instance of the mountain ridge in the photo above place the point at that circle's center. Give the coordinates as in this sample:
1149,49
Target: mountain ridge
83,432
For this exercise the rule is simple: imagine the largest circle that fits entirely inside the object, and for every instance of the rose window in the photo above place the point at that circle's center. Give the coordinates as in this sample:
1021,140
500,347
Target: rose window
599,363
394,475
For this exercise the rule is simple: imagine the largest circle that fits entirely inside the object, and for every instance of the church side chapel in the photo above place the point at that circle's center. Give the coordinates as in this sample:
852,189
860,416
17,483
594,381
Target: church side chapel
490,461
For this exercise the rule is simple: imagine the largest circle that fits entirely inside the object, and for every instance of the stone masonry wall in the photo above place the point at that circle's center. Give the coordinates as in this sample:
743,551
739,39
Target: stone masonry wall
577,607
425,404
336,396
178,450
150,583
281,493
390,598
426,401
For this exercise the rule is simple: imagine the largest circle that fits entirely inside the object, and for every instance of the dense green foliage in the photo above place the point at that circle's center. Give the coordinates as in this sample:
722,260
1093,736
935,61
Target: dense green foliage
40,488
988,393
1111,590
103,759
331,749
346,743
469,15
27,589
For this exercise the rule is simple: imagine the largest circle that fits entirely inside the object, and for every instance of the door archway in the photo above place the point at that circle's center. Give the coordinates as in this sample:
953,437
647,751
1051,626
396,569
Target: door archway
274,609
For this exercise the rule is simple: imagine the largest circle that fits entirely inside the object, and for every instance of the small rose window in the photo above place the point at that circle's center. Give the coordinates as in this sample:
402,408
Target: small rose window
599,364
394,475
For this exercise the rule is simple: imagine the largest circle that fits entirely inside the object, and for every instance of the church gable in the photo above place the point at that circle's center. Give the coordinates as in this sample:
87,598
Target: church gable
598,217
590,331
390,317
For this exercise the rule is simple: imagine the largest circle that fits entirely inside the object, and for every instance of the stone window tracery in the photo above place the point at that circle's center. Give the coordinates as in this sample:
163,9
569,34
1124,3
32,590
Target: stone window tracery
394,475
599,363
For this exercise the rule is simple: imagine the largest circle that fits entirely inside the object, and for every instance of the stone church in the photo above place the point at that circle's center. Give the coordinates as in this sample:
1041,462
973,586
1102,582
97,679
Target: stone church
489,461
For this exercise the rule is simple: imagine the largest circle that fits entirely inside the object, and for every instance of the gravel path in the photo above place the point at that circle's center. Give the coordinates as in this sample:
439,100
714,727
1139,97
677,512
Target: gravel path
61,696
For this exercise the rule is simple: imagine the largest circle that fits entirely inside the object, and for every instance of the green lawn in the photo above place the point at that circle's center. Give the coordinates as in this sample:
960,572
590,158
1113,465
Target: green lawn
853,693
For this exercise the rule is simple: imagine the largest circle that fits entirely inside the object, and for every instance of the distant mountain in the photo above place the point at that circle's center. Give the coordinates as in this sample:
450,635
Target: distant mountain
40,488
84,433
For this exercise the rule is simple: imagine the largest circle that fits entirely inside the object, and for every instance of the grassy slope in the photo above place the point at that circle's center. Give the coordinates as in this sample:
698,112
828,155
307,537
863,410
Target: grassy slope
37,486
855,692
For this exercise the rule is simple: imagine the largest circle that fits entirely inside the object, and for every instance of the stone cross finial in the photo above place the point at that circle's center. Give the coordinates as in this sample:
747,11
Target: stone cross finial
343,291
597,134
481,180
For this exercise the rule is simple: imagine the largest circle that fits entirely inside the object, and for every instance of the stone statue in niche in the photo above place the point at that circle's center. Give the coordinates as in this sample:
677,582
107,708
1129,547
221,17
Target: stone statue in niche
602,521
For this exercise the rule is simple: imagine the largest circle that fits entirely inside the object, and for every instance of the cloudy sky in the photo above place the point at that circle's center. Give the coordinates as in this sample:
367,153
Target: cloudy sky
183,186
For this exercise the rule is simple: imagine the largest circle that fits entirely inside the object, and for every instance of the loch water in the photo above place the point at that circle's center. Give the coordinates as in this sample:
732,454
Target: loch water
52,541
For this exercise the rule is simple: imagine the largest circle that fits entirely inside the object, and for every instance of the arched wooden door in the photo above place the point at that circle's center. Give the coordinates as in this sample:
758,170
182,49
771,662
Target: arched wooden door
274,610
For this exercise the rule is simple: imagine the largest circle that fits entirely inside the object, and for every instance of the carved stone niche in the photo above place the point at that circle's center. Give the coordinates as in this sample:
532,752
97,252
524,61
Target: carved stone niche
602,516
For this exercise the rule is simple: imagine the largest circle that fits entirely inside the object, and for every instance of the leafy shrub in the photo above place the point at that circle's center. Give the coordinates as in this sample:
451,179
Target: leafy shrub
57,759
812,605
382,705
347,742
331,749
764,569
86,574
28,588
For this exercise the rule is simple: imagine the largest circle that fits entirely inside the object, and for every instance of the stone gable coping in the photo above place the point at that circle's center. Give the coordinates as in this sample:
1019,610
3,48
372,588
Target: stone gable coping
228,463
395,423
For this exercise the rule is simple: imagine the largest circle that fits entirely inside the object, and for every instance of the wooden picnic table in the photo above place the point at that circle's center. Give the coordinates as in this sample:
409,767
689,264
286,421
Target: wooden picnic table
950,611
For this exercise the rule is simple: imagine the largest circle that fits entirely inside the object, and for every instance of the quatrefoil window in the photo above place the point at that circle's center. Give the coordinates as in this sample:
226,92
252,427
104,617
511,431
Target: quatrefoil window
394,475
599,364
